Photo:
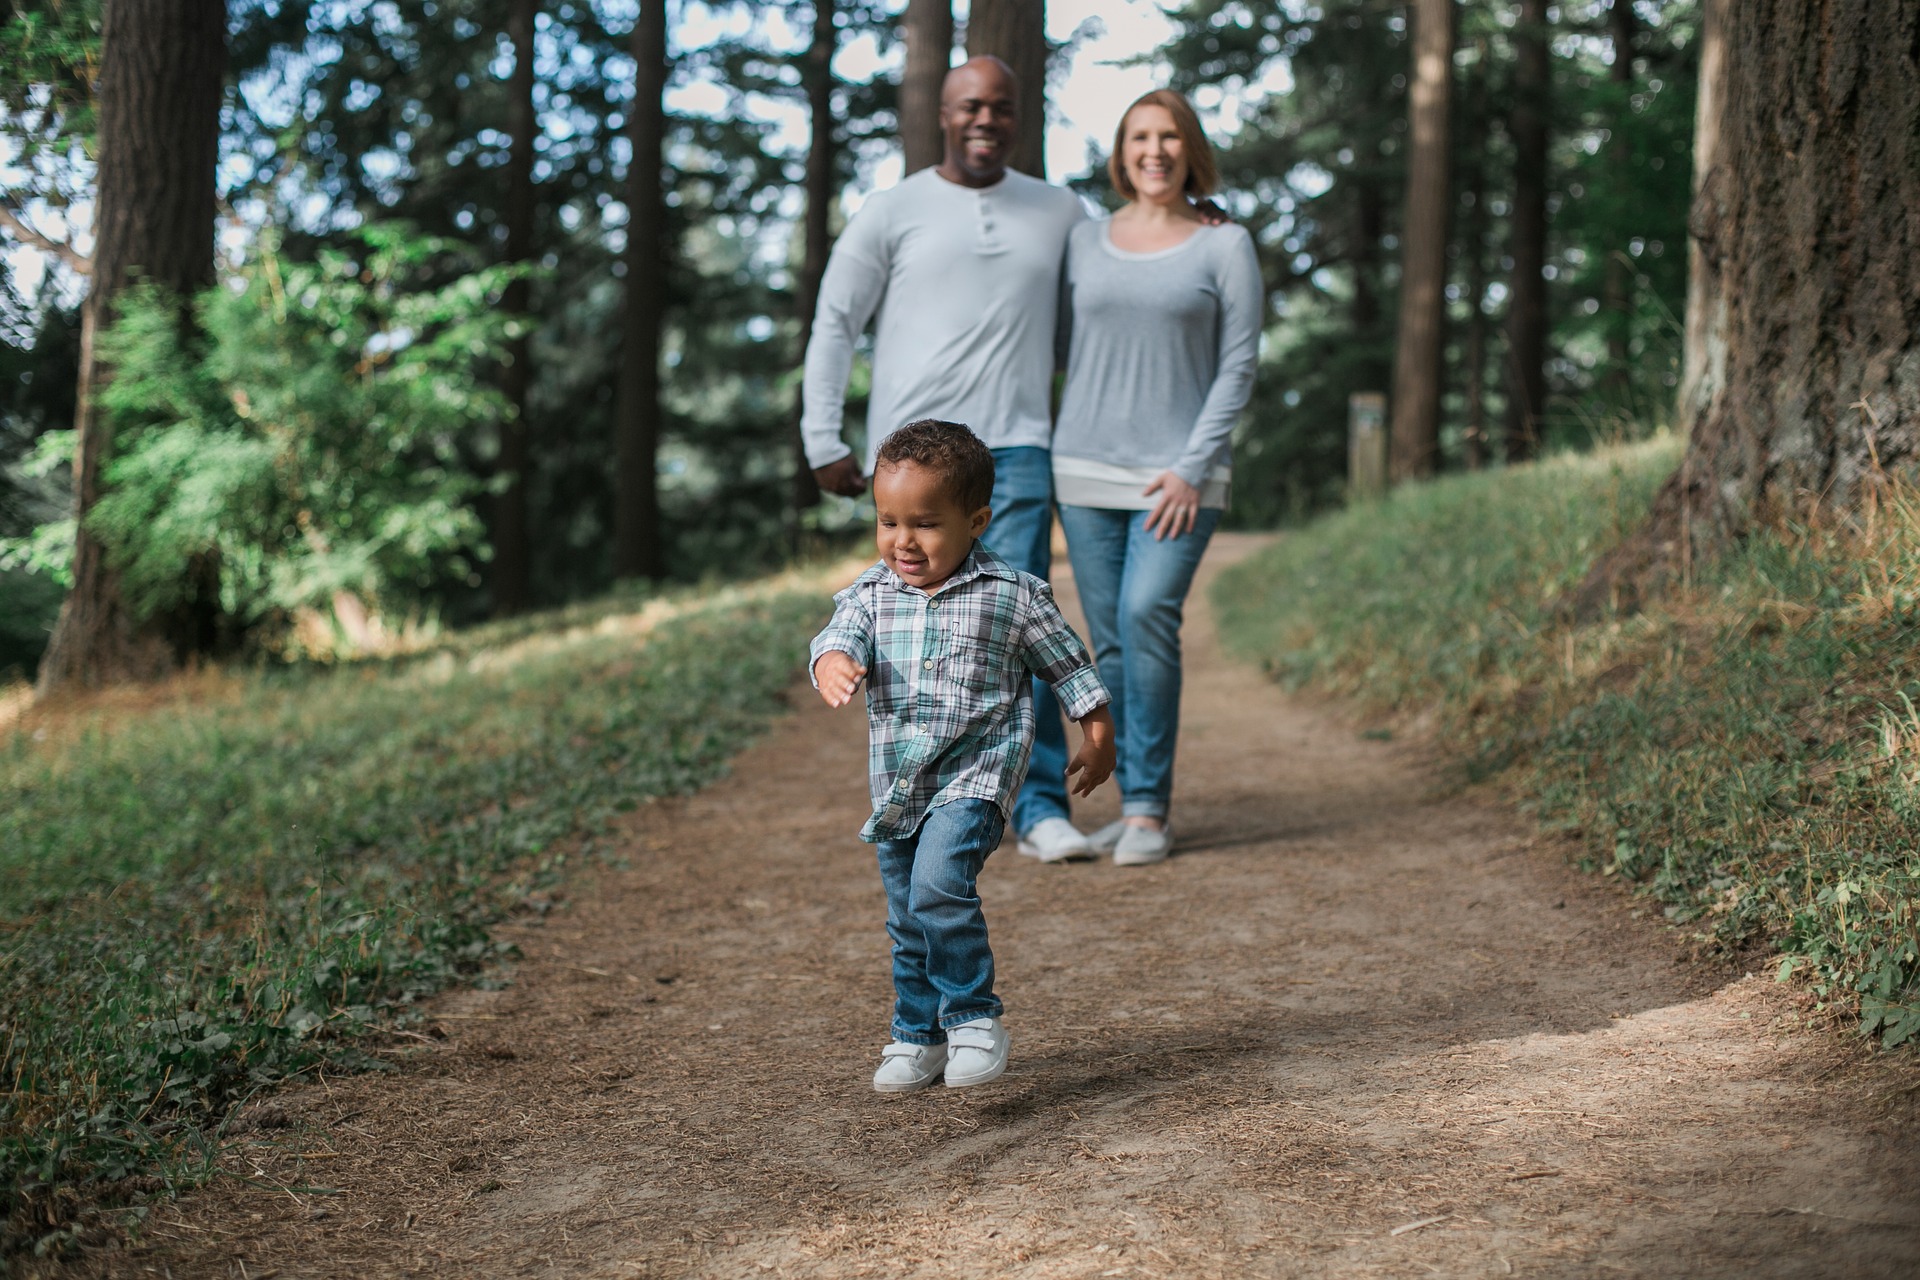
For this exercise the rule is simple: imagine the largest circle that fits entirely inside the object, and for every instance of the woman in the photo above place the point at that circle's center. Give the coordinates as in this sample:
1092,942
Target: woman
1165,314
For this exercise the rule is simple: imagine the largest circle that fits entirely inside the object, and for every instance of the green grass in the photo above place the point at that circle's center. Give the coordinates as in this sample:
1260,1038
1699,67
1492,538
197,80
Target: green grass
250,878
1746,750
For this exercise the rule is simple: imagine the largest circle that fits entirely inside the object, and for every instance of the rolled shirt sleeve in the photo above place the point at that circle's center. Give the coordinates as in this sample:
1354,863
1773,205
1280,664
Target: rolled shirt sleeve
1052,651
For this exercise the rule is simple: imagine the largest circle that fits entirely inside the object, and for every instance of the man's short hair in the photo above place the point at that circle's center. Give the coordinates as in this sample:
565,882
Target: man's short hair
950,451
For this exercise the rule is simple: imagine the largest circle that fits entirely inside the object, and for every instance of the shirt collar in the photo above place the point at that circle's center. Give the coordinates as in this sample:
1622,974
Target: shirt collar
981,562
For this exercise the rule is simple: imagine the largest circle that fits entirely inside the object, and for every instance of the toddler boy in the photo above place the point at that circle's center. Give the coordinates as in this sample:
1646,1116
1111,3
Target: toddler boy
948,633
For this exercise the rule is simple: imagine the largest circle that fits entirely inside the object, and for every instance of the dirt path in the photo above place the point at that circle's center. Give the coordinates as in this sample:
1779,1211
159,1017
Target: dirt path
1357,1028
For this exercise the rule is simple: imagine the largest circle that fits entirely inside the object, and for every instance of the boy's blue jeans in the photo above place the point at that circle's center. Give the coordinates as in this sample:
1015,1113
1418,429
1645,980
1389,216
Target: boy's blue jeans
942,966
1134,590
1022,534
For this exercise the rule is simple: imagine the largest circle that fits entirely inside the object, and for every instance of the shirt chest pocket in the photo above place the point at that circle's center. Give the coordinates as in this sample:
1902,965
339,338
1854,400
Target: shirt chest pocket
977,662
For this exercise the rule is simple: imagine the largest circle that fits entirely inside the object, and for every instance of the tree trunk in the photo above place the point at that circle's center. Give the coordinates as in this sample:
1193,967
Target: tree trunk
1527,288
1473,246
1703,344
512,541
1617,286
929,32
1423,253
1015,31
818,73
162,75
636,496
1804,356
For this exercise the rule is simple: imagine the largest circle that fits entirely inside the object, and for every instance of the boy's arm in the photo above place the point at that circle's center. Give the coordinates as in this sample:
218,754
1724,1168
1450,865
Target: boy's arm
840,654
1051,650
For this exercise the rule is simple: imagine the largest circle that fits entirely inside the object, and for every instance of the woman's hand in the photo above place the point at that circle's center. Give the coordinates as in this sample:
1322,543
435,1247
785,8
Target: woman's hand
1177,509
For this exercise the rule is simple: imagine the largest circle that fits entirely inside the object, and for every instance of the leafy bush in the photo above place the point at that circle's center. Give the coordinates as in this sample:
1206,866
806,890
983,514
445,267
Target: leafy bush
249,880
1746,750
306,440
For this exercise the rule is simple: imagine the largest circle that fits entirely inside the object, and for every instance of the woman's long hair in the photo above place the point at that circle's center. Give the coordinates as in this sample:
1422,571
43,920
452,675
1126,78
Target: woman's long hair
1203,175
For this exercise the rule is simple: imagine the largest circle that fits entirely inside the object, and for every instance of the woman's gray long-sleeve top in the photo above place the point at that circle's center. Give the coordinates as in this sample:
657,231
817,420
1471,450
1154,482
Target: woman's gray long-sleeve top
1161,356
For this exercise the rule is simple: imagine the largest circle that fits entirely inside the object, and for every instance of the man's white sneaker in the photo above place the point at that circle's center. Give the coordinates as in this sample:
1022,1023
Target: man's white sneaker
976,1052
905,1067
1055,840
1137,846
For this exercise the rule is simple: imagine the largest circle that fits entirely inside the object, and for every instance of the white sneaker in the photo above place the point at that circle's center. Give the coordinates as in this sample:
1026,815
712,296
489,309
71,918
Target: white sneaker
1137,846
905,1067
976,1052
1055,840
1106,838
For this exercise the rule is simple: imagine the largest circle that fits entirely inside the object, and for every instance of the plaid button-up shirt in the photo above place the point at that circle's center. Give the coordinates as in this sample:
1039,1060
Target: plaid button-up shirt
949,705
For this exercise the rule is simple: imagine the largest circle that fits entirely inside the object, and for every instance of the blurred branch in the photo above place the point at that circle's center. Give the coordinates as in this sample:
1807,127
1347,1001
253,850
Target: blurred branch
60,249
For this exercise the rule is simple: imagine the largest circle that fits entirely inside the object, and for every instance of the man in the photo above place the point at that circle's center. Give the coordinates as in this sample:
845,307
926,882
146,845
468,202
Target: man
962,263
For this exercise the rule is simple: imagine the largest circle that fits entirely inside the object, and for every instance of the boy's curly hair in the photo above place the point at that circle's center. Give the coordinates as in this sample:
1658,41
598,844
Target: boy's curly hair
950,451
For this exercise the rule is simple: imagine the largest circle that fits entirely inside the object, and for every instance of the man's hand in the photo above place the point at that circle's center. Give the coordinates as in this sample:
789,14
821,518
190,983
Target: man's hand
1177,509
1211,214
838,676
842,476
1094,760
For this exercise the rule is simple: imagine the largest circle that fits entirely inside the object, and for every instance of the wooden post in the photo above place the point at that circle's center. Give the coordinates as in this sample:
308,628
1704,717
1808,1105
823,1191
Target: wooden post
1366,446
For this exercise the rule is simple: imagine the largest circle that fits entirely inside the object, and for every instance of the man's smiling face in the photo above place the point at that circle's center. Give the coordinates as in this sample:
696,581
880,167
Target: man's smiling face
979,114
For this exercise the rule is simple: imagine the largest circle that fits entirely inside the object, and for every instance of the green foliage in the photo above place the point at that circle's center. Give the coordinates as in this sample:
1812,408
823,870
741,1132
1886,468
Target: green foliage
308,444
254,879
1746,750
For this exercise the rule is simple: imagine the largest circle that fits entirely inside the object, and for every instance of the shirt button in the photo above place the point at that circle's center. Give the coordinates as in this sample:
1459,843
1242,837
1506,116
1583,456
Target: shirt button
933,604
927,665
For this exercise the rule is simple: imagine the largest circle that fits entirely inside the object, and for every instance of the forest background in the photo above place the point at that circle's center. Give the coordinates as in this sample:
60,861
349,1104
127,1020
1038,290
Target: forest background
403,400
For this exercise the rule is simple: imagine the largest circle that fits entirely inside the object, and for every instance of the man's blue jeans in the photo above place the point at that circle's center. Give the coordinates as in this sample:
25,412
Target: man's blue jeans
1134,591
1022,534
942,966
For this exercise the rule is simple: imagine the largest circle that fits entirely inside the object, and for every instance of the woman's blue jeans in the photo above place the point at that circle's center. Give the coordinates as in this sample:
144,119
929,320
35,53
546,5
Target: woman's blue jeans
942,966
1134,591
1021,533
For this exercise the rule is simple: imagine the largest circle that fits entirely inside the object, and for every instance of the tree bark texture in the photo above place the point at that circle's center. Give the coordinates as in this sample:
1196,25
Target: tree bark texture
1805,377
818,73
1473,247
162,75
1526,379
1415,433
512,537
1015,31
1706,312
636,495
929,32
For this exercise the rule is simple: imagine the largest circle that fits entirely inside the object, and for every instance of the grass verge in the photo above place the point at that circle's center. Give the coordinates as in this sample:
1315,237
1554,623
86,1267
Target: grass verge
258,873
1746,750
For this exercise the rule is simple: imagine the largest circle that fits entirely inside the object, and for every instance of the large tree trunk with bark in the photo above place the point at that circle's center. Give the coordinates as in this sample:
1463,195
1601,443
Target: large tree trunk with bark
1473,250
512,538
1415,439
818,73
162,74
636,490
1804,357
1015,31
929,32
1526,379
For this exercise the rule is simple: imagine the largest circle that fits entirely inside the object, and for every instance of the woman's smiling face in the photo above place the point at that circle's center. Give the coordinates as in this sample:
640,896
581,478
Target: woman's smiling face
1153,155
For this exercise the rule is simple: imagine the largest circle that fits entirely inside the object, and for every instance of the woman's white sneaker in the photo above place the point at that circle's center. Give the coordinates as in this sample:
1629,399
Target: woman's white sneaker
905,1067
1137,846
976,1052
1055,840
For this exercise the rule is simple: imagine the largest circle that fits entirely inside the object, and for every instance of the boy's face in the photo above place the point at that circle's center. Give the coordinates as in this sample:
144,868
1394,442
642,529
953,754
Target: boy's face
922,531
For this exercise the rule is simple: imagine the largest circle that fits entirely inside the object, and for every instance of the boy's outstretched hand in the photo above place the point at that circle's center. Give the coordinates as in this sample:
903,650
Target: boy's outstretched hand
1094,760
838,676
